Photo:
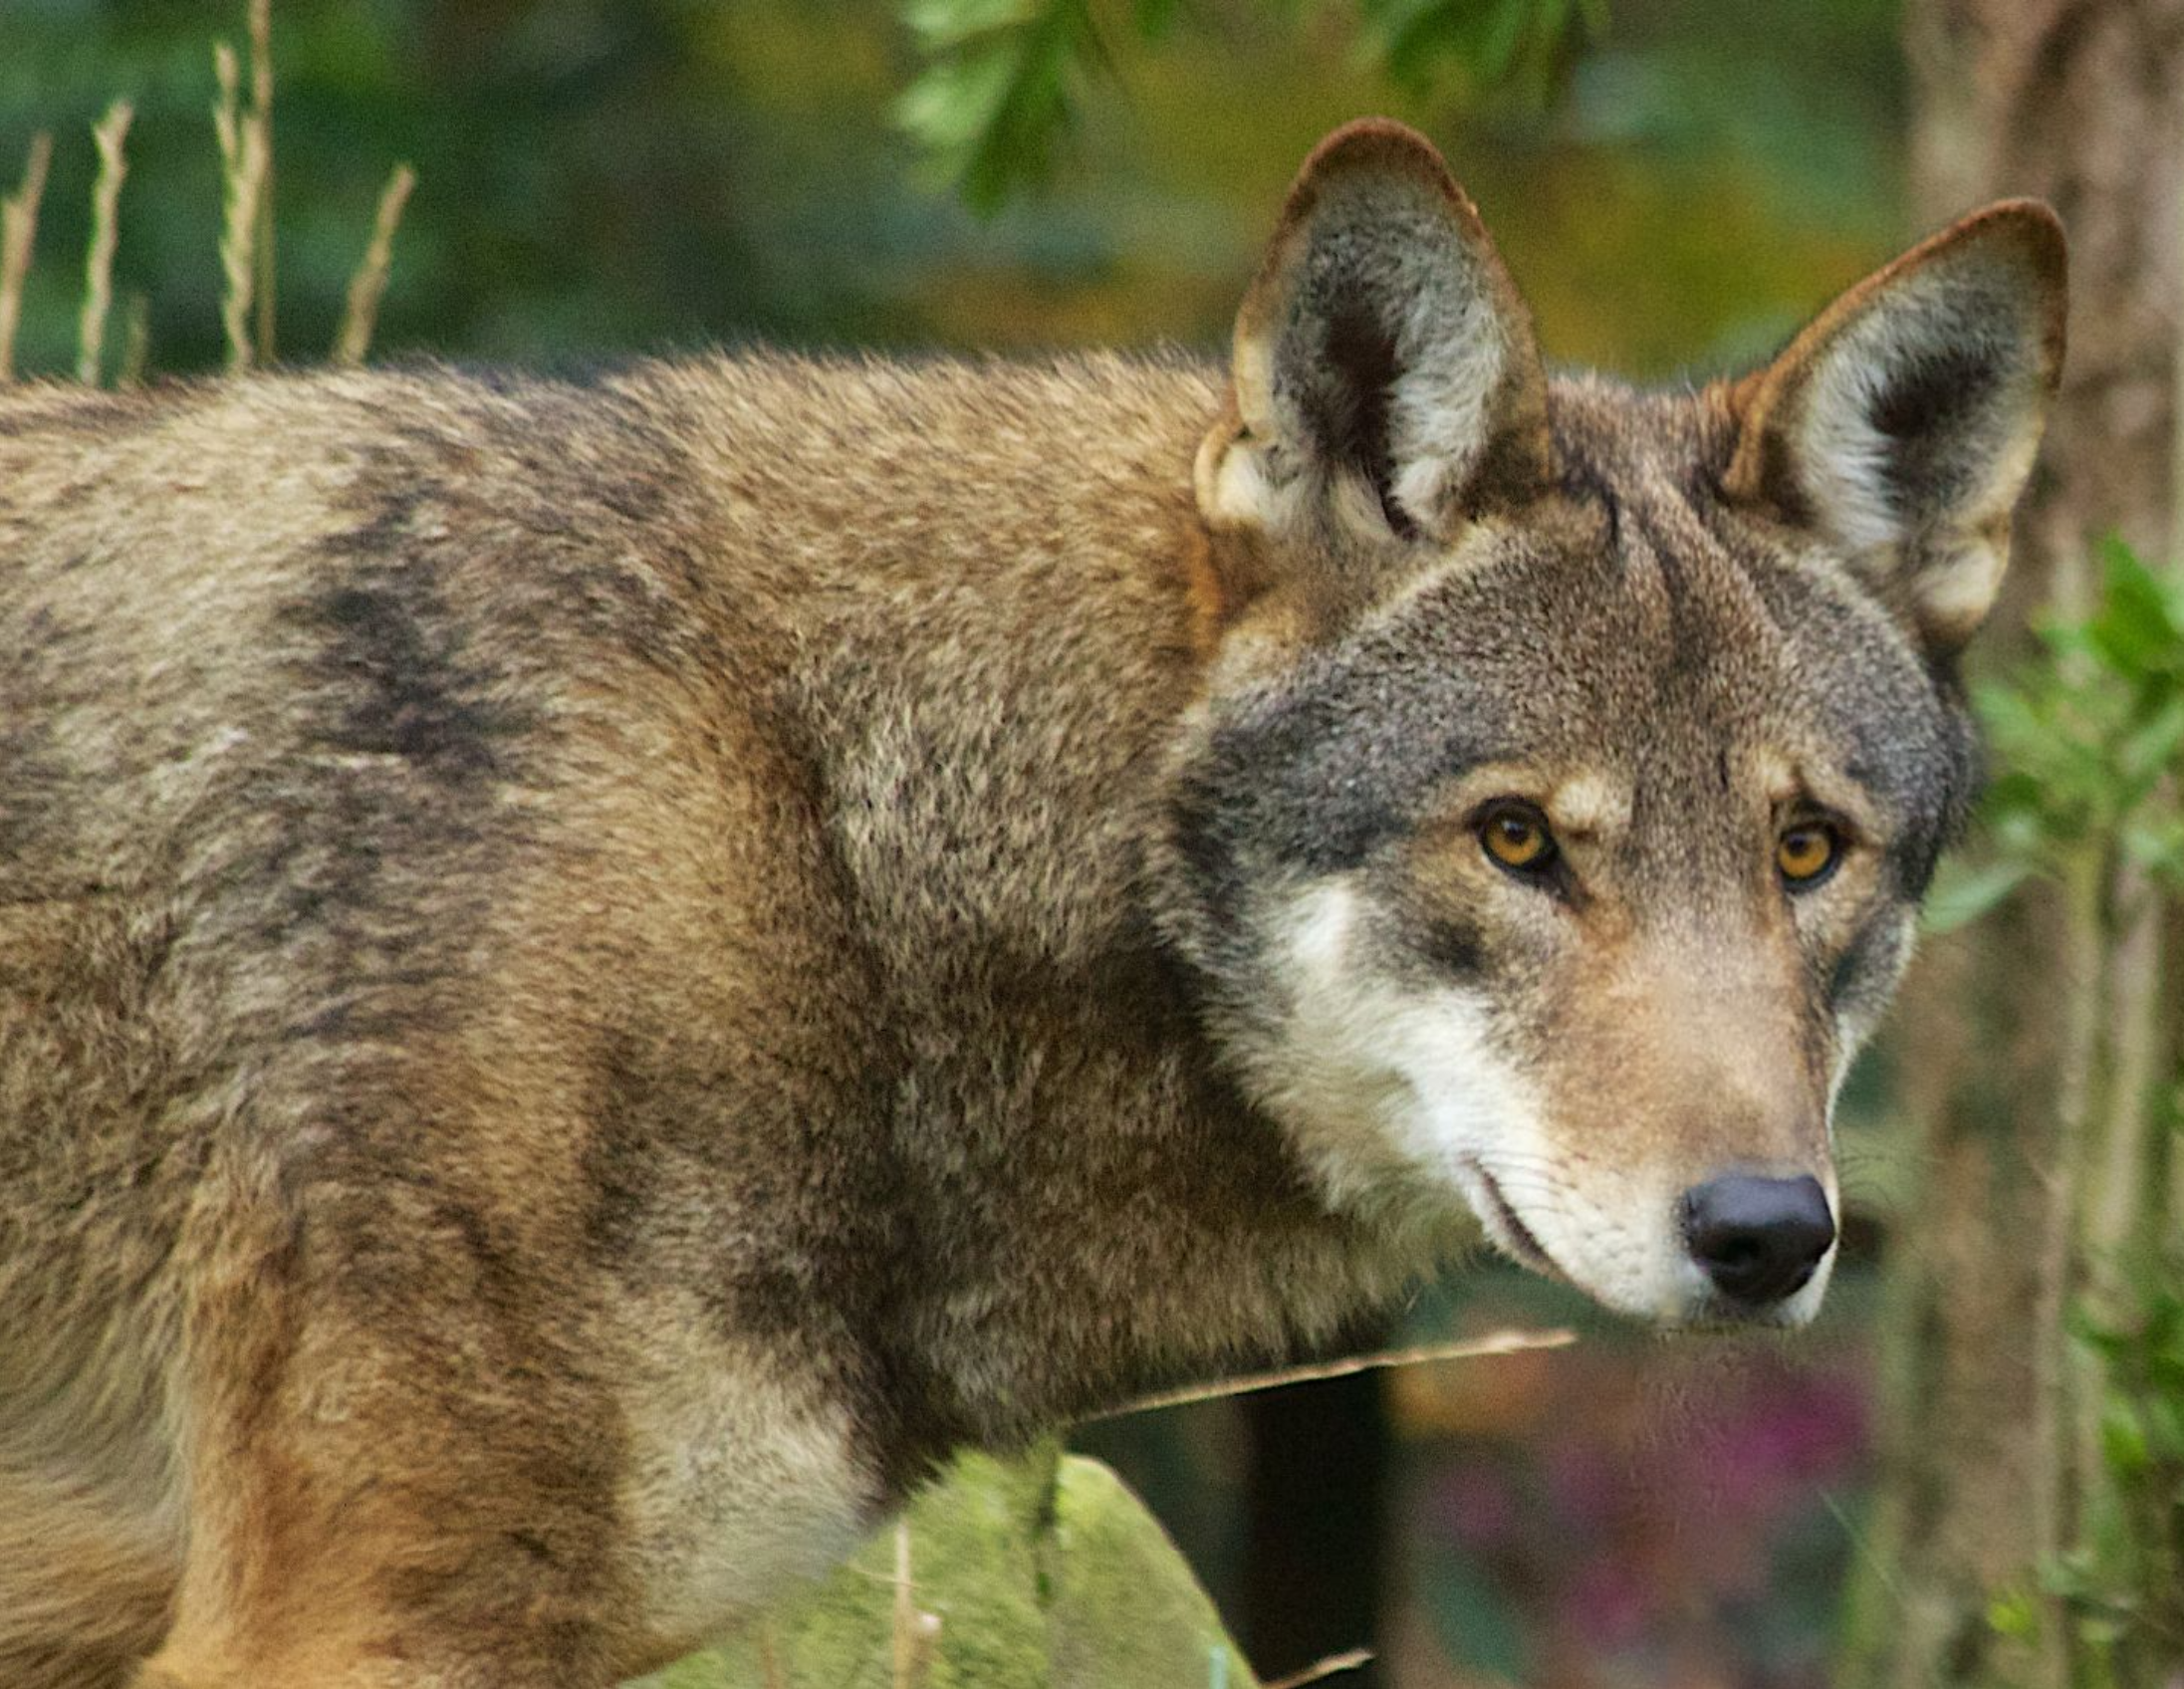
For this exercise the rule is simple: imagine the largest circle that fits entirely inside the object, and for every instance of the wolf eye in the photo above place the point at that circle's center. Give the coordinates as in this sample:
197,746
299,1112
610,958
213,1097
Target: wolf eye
1516,837
1807,854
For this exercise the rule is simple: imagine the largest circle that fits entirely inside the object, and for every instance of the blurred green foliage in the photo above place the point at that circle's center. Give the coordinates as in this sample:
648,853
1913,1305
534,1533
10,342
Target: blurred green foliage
2121,1584
1486,44
1001,77
2087,742
998,87
2091,740
2124,1581
603,175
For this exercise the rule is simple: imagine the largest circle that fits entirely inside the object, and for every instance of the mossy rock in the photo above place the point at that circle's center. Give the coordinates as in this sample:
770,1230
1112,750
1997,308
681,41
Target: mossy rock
1044,1574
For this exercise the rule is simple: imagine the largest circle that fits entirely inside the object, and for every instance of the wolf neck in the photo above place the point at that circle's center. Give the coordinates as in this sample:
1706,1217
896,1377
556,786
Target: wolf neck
991,695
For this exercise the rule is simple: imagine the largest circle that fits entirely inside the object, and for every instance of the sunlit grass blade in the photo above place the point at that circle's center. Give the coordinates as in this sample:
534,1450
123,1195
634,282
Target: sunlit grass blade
246,165
369,285
18,234
110,135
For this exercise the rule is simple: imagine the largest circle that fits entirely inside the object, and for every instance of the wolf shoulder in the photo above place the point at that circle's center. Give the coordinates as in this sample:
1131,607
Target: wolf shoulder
367,683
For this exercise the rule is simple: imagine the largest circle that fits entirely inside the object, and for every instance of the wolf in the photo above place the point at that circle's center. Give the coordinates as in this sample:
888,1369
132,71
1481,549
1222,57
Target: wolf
594,976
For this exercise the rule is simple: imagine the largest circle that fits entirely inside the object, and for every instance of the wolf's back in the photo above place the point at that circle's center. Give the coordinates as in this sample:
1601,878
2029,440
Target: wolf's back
336,704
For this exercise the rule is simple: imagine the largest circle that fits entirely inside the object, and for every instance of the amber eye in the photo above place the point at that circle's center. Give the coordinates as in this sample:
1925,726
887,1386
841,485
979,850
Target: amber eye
1516,836
1807,854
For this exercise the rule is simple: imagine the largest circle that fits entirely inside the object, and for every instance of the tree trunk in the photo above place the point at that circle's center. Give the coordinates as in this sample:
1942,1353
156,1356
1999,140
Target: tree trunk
2018,1036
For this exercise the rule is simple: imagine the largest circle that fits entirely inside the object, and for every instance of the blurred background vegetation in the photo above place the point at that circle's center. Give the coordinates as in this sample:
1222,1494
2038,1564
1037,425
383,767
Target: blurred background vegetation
603,175
1675,183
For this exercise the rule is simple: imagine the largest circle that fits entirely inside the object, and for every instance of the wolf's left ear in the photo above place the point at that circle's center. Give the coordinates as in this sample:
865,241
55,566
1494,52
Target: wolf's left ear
1901,424
1385,375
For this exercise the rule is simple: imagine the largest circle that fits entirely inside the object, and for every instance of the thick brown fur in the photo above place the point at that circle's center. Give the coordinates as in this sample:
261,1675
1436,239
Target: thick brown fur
593,977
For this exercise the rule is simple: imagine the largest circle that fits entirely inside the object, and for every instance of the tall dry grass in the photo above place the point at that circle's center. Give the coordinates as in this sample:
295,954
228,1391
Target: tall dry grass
18,234
242,126
369,285
110,136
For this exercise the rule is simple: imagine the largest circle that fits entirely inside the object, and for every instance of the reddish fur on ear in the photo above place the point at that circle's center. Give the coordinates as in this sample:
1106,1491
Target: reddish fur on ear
1900,424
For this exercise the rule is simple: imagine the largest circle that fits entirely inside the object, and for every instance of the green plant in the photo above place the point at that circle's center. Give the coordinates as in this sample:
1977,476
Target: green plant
2089,740
1002,79
2122,1584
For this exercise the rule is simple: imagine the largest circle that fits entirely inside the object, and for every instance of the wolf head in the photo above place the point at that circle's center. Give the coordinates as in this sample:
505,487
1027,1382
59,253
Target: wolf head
1551,832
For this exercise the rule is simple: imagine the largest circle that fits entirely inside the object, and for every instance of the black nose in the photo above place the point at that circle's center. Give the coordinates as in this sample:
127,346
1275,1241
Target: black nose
1758,1239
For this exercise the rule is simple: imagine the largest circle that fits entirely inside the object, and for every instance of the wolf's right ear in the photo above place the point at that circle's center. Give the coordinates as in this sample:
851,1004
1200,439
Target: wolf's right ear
1386,385
1901,424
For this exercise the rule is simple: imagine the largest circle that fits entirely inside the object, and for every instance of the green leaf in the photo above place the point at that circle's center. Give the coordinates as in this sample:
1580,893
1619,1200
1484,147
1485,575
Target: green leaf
2069,1573
2014,1614
2139,627
2122,1439
2164,1429
941,26
2152,747
1512,44
2156,845
952,104
1506,28
998,85
991,107
1961,896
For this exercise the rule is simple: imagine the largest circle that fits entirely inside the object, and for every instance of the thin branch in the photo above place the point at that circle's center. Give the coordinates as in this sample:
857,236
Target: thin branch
369,285
110,135
1332,1665
18,233
914,1634
769,1673
905,1611
1475,1349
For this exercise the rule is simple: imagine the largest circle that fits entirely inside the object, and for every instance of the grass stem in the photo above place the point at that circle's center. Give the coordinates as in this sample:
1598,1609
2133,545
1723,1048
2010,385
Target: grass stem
369,285
18,233
110,135
245,164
